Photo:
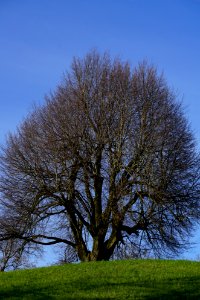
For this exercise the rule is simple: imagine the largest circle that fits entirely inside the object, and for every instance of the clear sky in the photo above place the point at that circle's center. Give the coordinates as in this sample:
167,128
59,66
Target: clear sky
38,39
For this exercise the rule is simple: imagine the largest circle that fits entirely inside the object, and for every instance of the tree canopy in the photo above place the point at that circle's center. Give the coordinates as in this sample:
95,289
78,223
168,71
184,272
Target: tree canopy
107,163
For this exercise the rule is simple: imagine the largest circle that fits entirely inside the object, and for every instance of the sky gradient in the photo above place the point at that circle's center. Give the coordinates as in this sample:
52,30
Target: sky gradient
39,38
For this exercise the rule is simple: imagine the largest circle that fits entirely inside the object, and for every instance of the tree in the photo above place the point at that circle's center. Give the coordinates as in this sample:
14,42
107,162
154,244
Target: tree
108,161
11,254
14,254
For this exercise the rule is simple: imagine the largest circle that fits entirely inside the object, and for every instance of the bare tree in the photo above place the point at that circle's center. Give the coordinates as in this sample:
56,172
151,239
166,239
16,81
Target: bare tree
109,159
66,255
14,254
10,255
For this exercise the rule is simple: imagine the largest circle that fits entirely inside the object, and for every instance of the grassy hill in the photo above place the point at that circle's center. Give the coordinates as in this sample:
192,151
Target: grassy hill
131,279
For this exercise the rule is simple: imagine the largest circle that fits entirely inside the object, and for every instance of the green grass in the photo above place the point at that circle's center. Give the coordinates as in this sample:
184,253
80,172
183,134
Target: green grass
131,279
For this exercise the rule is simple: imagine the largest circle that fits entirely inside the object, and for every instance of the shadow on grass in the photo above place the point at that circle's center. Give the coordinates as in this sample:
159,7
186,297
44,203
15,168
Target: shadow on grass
178,288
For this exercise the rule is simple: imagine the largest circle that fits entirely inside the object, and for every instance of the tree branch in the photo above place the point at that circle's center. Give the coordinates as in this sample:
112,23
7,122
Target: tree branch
56,240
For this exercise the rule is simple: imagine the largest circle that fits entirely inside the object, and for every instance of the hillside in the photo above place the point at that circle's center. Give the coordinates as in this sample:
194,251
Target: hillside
131,279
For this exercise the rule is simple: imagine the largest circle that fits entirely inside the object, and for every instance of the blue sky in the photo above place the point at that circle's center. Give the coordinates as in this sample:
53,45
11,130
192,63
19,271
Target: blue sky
38,39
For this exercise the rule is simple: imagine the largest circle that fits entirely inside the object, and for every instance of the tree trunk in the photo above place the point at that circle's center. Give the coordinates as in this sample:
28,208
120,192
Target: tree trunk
101,250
